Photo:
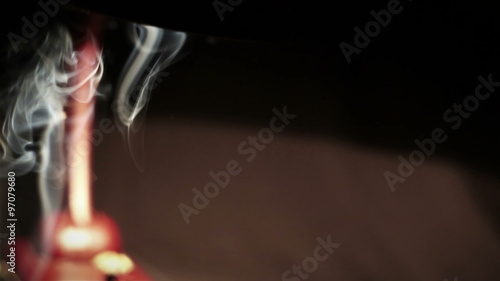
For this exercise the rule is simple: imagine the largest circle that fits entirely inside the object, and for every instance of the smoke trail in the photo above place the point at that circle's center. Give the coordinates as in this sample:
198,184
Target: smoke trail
155,49
33,130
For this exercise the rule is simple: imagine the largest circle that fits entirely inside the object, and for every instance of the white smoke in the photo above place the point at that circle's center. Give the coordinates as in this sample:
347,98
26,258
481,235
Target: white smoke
155,49
33,130
33,136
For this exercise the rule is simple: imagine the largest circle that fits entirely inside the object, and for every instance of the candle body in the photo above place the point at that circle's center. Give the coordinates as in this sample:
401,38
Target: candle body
62,237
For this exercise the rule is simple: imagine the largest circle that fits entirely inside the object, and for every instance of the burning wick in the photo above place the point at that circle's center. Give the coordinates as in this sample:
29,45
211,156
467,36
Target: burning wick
113,264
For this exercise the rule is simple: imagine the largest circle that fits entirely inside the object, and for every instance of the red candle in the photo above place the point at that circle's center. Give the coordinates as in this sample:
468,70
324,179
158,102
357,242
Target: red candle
79,233
79,244
62,237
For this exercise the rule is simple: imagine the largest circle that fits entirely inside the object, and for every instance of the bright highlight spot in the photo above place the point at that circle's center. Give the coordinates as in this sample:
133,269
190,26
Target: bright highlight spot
113,263
73,238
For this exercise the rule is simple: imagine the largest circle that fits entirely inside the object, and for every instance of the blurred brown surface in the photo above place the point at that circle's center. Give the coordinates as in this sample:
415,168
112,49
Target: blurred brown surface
297,189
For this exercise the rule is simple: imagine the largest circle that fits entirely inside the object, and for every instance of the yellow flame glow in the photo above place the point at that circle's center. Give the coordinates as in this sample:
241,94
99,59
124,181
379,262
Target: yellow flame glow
113,263
74,239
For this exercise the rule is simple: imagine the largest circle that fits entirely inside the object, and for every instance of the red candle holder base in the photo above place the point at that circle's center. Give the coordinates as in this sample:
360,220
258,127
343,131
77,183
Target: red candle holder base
33,266
67,251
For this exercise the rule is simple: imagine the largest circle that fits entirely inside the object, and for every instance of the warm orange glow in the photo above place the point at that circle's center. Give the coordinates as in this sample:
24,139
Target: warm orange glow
113,263
79,144
69,240
80,204
73,238
80,189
